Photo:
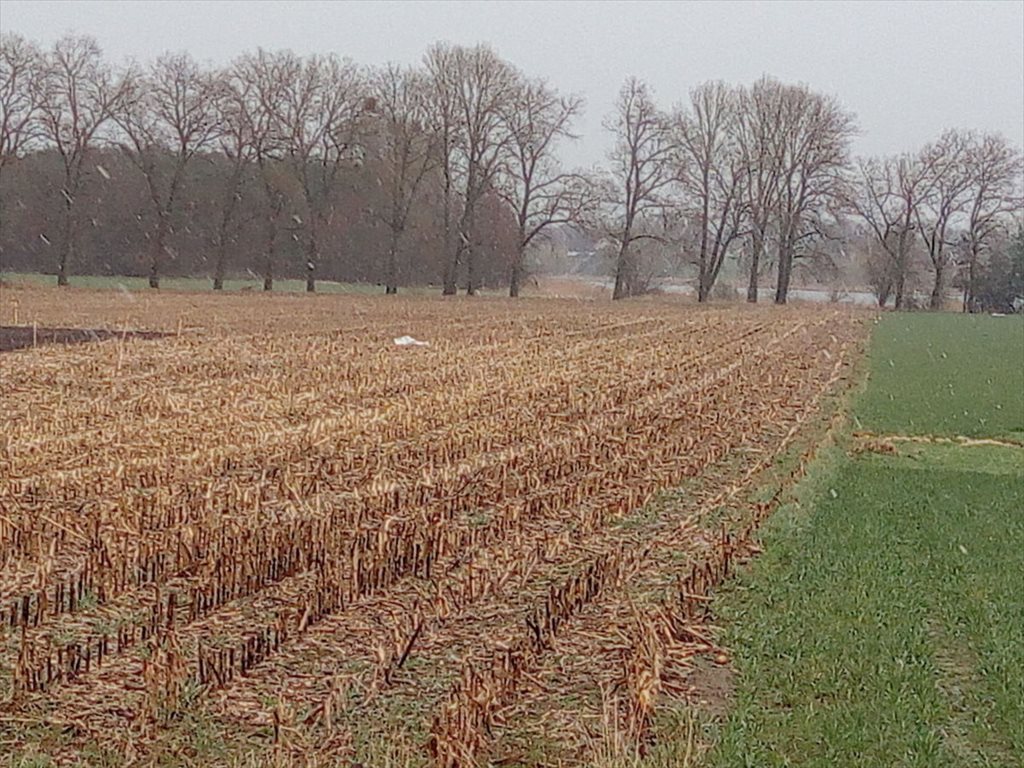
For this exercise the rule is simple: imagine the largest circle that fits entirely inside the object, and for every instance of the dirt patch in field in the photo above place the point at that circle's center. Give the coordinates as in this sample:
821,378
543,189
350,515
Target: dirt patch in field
712,685
18,337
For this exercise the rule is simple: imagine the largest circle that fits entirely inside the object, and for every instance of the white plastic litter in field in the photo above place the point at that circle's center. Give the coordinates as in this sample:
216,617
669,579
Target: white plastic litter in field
409,341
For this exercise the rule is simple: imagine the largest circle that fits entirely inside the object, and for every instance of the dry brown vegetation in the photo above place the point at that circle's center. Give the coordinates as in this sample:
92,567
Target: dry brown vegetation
275,528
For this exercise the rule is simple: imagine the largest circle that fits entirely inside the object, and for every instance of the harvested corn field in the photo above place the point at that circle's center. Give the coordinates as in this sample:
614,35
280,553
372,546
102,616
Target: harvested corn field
272,535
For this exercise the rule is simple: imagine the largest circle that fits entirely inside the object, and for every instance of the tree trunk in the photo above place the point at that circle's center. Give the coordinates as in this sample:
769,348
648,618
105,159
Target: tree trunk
883,296
702,271
516,279
467,225
451,268
227,212
721,252
275,204
271,253
902,262
392,281
450,284
785,272
451,255
311,259
782,286
470,253
755,265
623,278
218,272
971,277
62,270
3,210
158,251
938,288
67,245
470,271
703,279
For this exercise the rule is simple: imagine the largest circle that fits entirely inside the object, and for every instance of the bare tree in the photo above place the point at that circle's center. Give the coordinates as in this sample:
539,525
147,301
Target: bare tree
22,80
317,111
944,198
642,171
170,116
444,124
759,135
472,87
815,133
713,173
238,143
80,94
886,194
880,268
485,83
994,168
21,94
260,75
540,193
408,150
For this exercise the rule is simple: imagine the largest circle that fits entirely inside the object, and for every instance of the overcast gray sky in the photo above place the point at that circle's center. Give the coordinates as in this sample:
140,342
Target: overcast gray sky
907,69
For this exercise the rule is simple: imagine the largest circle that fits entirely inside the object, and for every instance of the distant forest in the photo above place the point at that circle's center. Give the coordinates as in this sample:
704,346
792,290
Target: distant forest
448,173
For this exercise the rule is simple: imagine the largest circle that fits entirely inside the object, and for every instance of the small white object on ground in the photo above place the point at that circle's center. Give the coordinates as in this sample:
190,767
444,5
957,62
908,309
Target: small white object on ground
409,341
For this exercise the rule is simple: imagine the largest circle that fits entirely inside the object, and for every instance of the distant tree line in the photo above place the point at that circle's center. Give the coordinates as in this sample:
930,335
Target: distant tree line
279,165
764,174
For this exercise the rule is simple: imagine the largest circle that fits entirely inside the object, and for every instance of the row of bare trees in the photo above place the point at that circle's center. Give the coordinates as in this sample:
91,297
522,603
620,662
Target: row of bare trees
768,170
284,157
465,130
953,200
761,166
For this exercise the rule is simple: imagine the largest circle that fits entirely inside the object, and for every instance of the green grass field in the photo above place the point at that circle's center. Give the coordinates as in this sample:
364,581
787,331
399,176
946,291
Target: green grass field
883,626
946,374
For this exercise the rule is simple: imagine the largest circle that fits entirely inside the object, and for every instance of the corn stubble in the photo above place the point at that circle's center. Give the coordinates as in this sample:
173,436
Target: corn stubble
299,530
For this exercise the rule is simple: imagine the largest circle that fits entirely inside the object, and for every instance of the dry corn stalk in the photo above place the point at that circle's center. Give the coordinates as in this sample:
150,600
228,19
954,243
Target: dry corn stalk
236,494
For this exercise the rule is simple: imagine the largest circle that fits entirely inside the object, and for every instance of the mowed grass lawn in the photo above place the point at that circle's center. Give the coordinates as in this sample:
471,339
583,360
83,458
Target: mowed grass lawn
884,625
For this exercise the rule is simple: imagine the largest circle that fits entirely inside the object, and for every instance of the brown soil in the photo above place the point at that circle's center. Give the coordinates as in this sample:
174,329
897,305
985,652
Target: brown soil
712,685
18,337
